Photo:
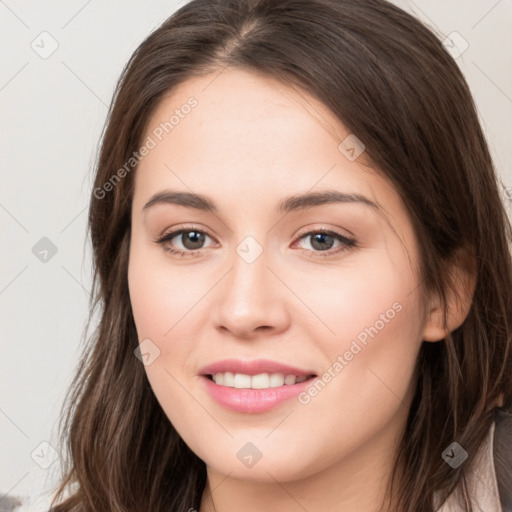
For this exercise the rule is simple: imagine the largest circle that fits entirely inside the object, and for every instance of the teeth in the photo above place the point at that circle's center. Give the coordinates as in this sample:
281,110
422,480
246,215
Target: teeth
277,379
290,379
242,381
228,380
260,381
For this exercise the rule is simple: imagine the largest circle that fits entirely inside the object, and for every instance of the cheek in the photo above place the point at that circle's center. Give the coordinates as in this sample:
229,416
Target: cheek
148,300
371,296
371,338
164,303
161,293
368,378
159,304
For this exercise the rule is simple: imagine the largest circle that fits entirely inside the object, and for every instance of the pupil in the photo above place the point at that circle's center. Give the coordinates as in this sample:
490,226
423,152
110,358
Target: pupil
194,238
321,237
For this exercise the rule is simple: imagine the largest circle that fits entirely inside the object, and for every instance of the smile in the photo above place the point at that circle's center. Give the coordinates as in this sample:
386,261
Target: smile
252,386
259,381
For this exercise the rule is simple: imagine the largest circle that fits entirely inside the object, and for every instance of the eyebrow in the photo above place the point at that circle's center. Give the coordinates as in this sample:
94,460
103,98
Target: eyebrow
292,203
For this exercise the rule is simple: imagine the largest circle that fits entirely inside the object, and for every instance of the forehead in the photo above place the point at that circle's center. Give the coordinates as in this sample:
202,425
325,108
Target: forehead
242,115
249,136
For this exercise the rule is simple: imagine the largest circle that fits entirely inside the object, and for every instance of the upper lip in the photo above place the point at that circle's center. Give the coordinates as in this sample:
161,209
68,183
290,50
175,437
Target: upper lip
253,367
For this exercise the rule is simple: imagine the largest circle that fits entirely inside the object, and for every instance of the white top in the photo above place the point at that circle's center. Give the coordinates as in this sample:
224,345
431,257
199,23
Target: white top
482,483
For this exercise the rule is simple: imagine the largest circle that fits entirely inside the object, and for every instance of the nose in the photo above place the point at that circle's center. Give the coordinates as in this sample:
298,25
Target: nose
251,299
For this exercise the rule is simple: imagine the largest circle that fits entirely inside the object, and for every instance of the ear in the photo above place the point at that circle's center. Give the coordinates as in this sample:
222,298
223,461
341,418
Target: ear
462,275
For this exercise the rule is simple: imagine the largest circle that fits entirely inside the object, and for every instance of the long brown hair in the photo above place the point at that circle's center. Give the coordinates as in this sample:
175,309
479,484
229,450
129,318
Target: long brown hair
390,82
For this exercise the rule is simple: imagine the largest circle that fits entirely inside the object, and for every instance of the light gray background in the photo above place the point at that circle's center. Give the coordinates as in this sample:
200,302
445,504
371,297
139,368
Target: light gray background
52,113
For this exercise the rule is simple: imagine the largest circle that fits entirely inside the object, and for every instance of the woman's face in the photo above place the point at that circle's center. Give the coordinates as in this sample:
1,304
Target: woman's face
260,281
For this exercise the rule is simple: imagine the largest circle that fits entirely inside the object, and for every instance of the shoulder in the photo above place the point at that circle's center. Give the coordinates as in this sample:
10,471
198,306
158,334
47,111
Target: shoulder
502,455
489,479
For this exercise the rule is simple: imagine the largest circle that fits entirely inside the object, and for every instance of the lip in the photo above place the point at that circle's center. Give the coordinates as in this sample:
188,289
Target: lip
253,367
248,400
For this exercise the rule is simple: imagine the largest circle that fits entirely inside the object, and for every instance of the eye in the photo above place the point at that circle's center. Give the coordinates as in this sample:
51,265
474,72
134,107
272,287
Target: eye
191,239
323,240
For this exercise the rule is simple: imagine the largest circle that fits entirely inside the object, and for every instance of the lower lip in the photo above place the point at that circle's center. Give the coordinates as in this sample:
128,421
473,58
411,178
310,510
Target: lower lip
253,400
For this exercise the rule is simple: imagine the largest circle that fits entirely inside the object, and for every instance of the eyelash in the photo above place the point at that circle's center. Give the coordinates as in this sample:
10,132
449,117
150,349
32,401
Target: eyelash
348,243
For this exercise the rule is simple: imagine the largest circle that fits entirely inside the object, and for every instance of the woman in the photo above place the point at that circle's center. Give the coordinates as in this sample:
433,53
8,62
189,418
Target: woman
304,271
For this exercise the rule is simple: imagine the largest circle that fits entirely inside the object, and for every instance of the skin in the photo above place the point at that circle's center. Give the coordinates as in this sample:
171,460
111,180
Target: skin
250,143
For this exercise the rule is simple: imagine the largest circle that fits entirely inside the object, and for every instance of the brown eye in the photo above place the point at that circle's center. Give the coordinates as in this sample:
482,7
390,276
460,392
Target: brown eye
322,241
191,240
